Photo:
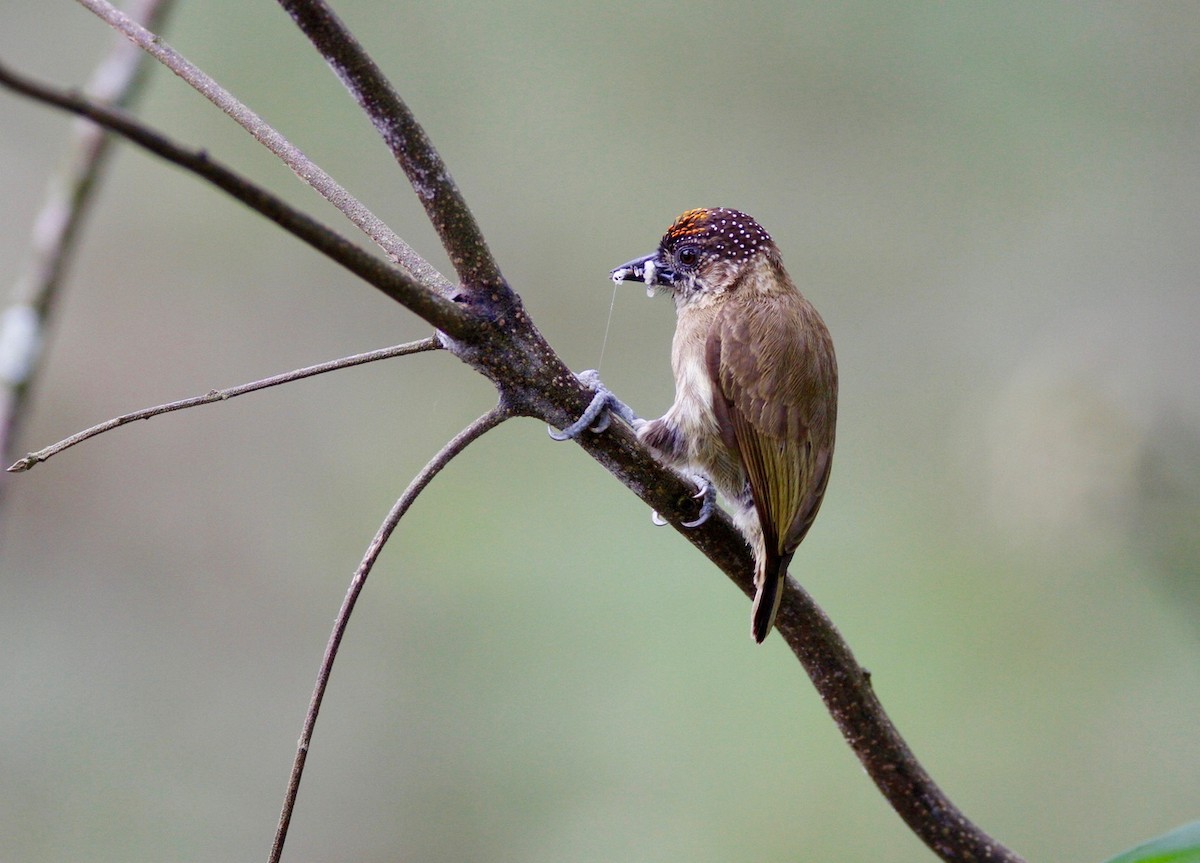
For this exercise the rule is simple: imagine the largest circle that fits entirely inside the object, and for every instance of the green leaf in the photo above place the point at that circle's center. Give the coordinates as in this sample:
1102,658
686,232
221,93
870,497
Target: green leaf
1181,845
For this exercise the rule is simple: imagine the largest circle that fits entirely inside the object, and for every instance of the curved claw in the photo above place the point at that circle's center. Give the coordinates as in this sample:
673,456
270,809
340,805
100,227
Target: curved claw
707,494
588,420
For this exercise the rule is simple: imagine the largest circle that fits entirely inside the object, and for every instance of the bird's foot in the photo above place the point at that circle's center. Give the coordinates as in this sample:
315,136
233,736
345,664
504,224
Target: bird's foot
707,494
597,414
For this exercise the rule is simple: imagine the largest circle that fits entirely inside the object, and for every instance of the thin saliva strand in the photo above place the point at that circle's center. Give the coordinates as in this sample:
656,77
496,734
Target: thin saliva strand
604,344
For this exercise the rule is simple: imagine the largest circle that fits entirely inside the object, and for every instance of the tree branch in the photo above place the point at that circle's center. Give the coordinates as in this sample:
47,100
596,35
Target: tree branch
398,250
396,283
422,164
845,688
23,331
34,458
473,432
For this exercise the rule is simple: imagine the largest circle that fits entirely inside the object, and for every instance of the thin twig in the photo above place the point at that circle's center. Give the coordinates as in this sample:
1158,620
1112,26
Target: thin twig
474,431
33,458
442,313
422,164
398,250
118,80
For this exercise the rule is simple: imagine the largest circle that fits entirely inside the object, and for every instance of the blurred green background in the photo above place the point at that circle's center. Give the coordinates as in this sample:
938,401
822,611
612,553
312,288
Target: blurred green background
996,209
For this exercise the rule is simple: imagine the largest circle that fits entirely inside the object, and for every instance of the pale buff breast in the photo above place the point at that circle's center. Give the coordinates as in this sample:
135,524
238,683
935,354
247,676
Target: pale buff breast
692,413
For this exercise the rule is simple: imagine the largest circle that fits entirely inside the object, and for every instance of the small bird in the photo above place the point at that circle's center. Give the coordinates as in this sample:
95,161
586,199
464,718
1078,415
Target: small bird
755,385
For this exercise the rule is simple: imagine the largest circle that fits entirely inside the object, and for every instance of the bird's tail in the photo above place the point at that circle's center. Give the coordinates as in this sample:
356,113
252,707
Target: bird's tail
769,574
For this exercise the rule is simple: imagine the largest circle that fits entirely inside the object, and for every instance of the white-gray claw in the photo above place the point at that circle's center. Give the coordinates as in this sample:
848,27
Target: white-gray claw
708,495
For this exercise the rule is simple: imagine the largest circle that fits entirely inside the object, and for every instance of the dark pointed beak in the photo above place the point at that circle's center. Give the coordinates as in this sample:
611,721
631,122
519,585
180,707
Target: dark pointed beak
644,269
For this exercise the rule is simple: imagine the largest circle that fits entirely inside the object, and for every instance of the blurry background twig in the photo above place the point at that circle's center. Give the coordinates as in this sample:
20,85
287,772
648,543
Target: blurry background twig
25,324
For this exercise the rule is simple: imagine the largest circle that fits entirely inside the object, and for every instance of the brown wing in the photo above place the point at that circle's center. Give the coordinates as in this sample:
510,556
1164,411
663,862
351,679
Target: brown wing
775,397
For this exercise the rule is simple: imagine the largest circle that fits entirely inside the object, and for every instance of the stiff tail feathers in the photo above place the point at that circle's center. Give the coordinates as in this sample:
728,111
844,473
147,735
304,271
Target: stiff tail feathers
768,593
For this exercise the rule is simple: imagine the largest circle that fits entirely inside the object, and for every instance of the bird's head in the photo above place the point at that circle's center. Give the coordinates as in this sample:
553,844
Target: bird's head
705,252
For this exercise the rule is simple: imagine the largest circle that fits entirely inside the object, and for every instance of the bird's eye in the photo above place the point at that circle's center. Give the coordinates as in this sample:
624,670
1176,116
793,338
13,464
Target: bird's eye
688,256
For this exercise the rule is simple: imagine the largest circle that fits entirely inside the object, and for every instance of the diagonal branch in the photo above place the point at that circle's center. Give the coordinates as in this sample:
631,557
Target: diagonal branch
422,164
845,688
35,458
398,250
442,313
117,81
473,432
